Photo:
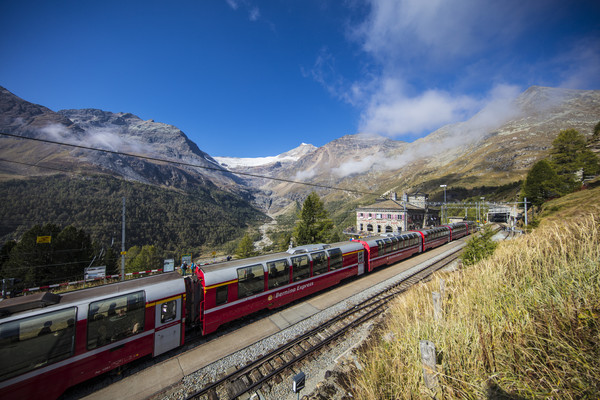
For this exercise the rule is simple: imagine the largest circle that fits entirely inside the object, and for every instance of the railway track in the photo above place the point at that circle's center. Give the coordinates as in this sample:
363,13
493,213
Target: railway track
282,361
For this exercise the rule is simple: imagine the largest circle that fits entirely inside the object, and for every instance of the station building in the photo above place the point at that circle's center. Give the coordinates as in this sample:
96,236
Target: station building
391,215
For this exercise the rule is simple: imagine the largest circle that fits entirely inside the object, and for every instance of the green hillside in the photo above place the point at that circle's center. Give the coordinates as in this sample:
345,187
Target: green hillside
172,220
522,324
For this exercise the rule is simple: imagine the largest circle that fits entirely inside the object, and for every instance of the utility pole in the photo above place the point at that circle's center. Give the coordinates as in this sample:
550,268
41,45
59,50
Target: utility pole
123,244
444,206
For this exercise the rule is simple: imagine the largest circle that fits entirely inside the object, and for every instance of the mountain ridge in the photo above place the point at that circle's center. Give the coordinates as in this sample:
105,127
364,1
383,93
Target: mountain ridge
500,142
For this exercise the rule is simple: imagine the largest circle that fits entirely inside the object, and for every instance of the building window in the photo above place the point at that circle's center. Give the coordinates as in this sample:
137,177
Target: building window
361,227
378,216
378,229
369,228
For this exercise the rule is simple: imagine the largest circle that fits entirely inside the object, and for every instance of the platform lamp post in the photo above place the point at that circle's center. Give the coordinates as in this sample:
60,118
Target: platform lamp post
444,206
481,208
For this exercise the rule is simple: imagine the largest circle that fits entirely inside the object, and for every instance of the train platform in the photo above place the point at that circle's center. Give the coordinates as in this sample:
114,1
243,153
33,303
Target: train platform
152,380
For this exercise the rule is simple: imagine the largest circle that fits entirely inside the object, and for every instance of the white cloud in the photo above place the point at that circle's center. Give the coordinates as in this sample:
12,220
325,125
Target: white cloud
437,29
305,175
254,14
581,65
233,4
497,108
100,138
414,43
56,132
393,113
253,11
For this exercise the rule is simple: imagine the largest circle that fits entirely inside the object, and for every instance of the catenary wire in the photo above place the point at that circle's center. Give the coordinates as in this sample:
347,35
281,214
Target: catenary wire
181,163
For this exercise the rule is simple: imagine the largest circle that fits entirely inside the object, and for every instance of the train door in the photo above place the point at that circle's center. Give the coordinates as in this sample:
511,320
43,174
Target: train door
361,262
167,330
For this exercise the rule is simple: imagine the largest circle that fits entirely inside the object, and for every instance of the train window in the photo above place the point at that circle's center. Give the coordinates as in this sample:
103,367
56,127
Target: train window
319,263
335,259
388,246
380,247
34,342
279,273
301,268
168,311
221,294
114,319
251,280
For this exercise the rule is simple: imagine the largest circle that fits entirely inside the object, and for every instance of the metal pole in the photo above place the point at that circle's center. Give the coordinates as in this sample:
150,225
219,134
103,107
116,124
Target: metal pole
525,201
123,244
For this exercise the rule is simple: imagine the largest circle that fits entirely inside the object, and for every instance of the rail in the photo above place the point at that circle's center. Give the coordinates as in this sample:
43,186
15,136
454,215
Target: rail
265,368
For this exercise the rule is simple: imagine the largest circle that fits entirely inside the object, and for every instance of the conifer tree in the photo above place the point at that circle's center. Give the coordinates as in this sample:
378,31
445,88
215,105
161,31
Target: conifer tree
245,248
543,183
314,225
569,154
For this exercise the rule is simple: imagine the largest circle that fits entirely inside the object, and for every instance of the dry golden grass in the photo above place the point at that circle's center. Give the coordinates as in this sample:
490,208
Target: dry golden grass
522,324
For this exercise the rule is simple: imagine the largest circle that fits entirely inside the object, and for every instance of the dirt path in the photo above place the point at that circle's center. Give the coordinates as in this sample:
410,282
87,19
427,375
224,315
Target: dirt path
265,240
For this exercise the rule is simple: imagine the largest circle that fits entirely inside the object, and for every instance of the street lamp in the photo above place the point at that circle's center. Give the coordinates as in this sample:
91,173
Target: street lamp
444,186
444,207
481,207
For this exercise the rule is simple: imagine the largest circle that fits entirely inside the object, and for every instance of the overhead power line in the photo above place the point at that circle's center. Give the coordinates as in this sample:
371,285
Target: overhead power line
181,163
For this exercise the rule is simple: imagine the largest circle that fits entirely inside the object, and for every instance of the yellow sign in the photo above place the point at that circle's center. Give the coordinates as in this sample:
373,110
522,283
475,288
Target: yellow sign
123,253
44,239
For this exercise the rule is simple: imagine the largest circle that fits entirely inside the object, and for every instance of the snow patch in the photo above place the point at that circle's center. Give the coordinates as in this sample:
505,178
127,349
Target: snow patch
289,156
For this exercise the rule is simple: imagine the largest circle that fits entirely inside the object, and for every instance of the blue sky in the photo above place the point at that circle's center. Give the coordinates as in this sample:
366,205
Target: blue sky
249,78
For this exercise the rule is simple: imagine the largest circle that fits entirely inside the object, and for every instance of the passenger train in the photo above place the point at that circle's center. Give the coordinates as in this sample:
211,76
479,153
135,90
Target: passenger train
50,342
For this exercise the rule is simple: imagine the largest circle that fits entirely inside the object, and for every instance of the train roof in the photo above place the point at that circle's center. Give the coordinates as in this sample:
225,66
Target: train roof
42,300
405,235
227,271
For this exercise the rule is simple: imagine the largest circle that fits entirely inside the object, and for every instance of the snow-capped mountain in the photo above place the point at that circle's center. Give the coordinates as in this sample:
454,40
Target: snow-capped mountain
287,157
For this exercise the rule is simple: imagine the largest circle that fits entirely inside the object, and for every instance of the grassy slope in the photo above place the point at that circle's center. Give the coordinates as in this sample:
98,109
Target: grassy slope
524,323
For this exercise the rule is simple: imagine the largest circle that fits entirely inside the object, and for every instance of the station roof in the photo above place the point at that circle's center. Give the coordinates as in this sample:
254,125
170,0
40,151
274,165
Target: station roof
391,205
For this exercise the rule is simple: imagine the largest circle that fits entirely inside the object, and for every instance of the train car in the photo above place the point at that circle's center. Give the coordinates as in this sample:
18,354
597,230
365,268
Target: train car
458,230
434,237
387,250
471,227
49,342
238,288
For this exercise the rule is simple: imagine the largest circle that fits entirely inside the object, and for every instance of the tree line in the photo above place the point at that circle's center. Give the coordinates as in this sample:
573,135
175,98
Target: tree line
87,211
569,163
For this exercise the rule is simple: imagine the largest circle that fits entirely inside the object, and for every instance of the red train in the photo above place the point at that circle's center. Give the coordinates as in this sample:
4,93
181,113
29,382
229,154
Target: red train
49,342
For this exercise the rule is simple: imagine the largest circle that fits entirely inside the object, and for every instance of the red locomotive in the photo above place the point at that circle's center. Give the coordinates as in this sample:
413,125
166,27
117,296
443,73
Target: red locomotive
49,342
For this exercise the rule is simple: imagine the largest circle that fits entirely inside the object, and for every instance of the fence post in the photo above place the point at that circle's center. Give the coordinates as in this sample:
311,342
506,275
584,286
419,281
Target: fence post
437,306
428,358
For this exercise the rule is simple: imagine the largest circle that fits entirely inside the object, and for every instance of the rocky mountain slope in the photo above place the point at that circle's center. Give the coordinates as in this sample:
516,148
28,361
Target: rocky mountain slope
495,147
115,132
